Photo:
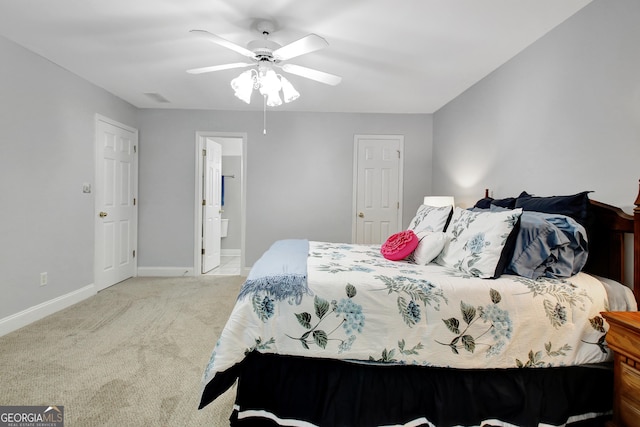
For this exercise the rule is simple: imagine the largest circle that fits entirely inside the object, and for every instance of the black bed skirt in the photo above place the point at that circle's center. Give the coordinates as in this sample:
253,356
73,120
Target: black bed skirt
275,390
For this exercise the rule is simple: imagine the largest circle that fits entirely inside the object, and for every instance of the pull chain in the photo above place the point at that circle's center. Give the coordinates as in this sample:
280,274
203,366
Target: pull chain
264,115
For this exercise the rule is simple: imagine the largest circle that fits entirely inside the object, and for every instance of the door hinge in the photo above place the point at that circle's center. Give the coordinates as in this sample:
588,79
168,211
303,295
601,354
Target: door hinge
204,152
134,253
398,205
135,149
202,251
134,201
398,153
204,203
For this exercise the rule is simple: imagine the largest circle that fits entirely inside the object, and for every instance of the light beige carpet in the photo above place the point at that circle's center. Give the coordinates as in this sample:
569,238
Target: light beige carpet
133,355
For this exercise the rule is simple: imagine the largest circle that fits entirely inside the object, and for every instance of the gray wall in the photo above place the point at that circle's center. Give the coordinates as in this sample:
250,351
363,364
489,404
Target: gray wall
299,175
46,154
561,117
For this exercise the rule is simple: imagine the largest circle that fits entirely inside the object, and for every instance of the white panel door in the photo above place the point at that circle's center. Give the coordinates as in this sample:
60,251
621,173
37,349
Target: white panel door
115,203
211,205
377,187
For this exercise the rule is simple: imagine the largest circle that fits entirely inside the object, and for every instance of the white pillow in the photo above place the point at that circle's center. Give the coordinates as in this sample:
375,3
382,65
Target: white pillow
430,218
430,244
475,240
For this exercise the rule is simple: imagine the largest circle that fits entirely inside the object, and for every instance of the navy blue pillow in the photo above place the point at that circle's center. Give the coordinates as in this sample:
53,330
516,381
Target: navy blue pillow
507,251
483,203
575,206
509,202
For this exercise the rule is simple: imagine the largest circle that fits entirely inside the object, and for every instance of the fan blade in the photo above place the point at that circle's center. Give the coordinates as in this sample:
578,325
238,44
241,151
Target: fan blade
219,67
224,42
307,44
319,76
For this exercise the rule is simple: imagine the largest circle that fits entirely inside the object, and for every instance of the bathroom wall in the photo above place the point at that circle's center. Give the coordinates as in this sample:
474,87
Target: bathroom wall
232,166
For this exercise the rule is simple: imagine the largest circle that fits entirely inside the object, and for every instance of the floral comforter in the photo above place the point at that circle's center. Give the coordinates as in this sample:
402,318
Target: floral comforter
356,305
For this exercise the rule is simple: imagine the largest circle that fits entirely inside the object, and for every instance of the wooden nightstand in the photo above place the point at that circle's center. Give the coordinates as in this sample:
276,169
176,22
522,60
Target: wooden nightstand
624,339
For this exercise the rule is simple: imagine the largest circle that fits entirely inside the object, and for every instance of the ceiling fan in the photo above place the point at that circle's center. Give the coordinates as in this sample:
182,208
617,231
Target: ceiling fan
268,53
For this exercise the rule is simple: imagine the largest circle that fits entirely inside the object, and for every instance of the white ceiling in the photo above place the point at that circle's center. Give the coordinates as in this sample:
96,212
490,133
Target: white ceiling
400,56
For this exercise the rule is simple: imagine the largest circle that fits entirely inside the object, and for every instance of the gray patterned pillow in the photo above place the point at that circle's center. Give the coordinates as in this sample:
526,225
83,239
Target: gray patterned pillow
476,240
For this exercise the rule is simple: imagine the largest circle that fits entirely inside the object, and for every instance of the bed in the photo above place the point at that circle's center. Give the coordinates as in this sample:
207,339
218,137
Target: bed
484,316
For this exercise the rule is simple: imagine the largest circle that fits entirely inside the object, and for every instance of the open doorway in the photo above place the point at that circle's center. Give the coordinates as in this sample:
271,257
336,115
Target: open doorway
233,201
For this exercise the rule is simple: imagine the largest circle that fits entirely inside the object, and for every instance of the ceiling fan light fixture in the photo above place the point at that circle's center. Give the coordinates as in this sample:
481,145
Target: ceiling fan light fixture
266,54
273,99
288,91
243,85
267,82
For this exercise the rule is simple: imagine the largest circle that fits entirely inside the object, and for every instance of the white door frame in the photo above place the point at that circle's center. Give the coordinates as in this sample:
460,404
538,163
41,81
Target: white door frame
201,136
354,208
97,187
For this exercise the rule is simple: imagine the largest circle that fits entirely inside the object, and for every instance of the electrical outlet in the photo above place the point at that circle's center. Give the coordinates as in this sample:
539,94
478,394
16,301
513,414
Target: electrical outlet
43,279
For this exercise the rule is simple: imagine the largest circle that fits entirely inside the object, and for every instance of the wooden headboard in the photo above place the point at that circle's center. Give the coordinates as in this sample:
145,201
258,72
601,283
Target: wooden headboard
609,226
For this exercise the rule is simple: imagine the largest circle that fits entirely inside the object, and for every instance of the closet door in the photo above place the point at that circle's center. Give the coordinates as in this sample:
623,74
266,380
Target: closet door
116,210
377,187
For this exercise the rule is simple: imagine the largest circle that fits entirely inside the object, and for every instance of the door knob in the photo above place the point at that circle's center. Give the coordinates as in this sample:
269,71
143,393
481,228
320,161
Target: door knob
102,214
361,215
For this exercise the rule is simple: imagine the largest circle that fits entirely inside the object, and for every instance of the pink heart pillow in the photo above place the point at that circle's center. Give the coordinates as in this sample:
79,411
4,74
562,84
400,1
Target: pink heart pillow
400,245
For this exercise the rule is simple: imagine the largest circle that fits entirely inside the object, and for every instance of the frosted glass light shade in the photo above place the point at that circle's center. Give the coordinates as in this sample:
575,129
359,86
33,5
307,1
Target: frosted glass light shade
438,201
243,86
288,91
267,82
273,99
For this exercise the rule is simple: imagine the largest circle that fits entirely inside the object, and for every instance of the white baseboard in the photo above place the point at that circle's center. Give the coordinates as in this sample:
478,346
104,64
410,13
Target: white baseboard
37,312
165,271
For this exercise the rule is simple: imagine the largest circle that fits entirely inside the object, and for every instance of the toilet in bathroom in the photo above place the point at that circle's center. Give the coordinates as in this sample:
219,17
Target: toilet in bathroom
224,228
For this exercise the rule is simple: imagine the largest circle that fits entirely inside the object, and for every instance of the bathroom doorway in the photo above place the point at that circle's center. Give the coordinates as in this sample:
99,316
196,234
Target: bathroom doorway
233,202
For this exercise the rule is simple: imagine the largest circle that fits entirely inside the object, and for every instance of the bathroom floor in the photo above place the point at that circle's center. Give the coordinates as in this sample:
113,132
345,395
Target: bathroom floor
229,266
